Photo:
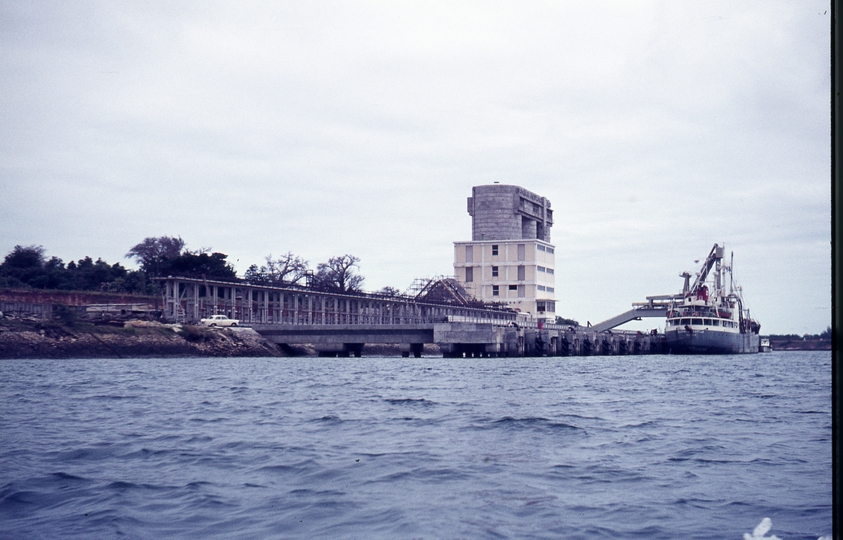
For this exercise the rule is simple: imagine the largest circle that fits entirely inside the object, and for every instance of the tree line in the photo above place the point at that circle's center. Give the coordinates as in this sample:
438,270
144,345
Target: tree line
824,335
28,267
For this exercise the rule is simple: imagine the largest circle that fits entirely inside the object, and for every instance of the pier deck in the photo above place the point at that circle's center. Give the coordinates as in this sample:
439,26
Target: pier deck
341,324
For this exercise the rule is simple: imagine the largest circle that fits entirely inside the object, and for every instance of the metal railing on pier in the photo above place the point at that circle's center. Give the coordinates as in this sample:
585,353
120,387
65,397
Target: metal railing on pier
191,299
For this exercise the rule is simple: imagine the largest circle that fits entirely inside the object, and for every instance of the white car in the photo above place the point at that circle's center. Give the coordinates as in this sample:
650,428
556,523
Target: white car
220,320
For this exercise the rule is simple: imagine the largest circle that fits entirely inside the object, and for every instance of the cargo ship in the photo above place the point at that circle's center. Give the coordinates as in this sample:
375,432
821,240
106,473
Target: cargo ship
708,319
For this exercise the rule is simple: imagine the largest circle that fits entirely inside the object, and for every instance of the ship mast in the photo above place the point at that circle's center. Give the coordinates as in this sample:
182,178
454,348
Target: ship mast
731,275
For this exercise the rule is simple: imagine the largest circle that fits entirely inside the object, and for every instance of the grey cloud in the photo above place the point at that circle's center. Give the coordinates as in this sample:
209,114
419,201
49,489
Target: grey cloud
655,130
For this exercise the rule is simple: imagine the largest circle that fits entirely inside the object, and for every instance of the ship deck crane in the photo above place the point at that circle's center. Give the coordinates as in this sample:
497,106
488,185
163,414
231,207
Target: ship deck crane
713,258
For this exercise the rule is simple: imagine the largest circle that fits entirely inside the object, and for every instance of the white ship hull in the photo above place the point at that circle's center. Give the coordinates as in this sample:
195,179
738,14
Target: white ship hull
709,341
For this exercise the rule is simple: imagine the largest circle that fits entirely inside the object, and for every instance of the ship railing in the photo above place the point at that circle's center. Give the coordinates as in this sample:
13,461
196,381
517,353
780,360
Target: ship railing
662,301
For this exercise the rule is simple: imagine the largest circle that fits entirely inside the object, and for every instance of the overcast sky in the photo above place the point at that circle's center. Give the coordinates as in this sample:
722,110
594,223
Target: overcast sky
655,130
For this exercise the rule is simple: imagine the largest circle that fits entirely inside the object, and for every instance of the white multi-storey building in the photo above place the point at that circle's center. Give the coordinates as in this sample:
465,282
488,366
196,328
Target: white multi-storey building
510,258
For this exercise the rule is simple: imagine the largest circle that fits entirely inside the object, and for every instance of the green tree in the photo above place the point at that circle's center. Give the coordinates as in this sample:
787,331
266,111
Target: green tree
153,253
190,264
23,267
25,257
256,275
566,322
288,269
389,291
339,274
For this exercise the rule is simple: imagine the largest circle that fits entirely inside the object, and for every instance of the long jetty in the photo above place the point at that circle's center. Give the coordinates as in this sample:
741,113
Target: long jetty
341,324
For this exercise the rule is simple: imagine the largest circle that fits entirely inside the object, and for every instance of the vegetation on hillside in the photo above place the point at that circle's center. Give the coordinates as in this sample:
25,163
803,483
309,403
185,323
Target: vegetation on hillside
27,267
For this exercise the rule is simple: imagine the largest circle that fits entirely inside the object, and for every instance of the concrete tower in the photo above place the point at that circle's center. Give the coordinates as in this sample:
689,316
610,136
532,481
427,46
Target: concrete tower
501,212
510,258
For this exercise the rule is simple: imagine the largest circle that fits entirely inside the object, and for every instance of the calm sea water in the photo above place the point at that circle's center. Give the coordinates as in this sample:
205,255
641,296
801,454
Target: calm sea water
601,447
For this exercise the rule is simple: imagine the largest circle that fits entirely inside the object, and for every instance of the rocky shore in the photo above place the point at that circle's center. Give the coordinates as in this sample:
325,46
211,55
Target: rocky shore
132,339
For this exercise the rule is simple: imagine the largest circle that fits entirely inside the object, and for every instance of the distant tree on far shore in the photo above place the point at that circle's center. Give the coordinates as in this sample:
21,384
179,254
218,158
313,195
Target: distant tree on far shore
825,334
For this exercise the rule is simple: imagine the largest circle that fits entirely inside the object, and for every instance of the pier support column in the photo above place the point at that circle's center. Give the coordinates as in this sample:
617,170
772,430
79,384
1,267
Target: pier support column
414,349
195,310
355,349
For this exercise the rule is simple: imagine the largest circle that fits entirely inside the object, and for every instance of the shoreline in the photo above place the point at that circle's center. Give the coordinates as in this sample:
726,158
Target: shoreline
38,339
34,339
135,339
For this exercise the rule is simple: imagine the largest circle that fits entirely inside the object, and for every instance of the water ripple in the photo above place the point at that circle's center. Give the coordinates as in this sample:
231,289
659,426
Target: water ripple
613,447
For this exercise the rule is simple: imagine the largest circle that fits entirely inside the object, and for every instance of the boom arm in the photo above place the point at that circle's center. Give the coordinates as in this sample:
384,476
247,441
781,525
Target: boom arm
715,255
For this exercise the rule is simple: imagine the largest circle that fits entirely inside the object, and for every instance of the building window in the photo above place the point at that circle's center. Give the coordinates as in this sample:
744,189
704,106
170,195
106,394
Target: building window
469,253
541,247
541,287
550,250
469,274
550,270
513,287
550,289
541,268
521,290
496,291
494,250
521,256
540,307
494,271
521,273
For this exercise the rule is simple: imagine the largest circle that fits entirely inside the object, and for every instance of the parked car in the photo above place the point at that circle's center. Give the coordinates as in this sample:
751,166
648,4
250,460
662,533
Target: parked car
220,320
